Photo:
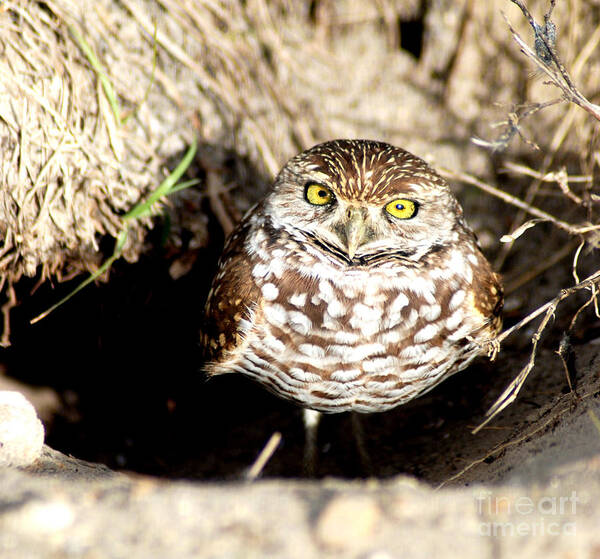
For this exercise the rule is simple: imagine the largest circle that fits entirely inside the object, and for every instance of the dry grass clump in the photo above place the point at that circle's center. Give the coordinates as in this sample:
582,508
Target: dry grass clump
75,161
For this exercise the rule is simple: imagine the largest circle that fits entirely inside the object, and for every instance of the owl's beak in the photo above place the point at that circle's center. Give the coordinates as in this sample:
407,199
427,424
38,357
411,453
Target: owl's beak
355,229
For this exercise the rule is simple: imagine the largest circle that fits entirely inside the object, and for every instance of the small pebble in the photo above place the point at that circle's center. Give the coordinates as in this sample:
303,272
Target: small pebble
348,522
21,431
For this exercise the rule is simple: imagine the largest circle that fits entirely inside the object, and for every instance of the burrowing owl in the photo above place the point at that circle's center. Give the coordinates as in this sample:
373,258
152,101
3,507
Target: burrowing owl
355,284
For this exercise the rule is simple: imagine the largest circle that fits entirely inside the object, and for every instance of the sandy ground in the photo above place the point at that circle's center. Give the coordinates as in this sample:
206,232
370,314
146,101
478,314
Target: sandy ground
536,494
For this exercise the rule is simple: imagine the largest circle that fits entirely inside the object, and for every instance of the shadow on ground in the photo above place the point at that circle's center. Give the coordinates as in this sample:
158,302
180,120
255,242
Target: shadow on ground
124,359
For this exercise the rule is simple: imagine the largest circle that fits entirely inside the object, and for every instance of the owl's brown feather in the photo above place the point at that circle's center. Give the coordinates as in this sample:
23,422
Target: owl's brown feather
232,299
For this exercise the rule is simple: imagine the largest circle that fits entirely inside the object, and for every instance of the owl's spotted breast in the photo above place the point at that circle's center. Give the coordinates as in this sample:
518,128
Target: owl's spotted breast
344,307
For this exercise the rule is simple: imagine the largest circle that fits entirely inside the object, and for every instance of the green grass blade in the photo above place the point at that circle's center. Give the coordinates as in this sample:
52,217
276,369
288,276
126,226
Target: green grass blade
105,266
183,185
95,63
166,187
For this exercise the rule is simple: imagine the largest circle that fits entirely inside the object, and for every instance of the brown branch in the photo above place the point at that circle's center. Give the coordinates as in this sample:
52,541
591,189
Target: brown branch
546,59
517,202
513,389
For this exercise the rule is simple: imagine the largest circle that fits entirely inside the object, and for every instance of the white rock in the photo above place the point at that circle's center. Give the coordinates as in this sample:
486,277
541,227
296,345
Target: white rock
21,432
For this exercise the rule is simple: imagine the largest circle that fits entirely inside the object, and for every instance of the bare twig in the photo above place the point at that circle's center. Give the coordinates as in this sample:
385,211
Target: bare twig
265,455
544,56
546,59
517,202
561,177
225,212
11,302
512,390
565,353
512,126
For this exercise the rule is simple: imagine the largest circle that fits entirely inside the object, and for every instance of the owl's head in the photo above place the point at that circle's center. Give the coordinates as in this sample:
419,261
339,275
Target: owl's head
360,198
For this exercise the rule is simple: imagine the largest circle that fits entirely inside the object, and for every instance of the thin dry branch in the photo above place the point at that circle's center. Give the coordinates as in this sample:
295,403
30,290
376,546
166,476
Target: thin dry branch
560,177
544,56
513,389
546,59
581,229
264,456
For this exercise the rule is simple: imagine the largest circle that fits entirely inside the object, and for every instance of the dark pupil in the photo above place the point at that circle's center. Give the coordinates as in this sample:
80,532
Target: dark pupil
399,206
322,194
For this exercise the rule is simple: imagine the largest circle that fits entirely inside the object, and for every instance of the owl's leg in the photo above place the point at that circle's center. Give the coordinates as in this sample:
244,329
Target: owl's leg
311,420
361,445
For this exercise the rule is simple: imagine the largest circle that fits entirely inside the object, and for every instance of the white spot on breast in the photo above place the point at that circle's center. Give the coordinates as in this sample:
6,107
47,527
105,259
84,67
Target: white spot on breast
372,288
326,289
260,270
462,332
336,309
443,274
376,299
468,274
343,337
299,322
276,267
363,314
426,333
365,319
269,291
381,385
412,351
329,323
415,373
398,303
342,375
431,312
424,288
298,299
369,329
332,389
473,258
350,290
458,265
411,319
457,299
312,350
276,314
390,337
432,355
454,319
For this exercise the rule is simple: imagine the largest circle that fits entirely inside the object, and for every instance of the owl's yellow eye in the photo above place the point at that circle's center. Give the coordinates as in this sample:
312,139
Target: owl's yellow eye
401,208
318,195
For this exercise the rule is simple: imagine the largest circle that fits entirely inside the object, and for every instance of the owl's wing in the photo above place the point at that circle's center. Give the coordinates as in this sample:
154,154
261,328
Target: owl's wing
489,297
231,302
488,290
